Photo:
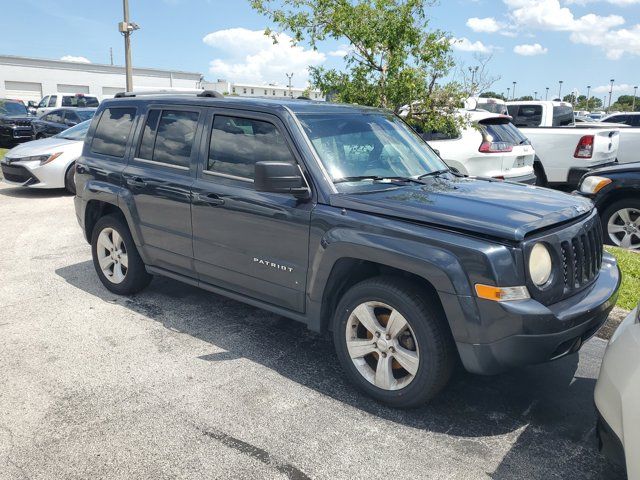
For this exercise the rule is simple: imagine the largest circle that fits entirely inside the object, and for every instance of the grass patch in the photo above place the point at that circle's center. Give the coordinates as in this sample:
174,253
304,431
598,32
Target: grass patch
3,151
630,265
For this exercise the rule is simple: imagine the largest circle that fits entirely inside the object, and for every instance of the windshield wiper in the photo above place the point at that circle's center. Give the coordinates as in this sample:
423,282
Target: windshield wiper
378,178
435,173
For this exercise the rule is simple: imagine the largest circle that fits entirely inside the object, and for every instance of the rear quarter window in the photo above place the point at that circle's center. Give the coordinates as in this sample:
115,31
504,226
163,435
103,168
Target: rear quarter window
113,130
526,115
563,116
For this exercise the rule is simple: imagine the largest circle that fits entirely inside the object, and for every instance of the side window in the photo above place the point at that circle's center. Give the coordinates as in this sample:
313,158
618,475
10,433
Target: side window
168,137
527,116
238,143
71,117
55,117
112,132
617,119
66,101
52,100
44,102
46,118
634,120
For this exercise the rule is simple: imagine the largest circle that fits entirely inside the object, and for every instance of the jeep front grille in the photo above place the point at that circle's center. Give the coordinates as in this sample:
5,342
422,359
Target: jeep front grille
582,257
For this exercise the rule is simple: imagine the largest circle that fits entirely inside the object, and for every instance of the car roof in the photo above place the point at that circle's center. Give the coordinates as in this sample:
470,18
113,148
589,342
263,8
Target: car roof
297,106
479,114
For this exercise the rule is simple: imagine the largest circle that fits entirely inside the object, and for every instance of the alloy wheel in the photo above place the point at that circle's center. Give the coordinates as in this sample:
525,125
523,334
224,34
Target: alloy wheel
112,255
382,345
624,228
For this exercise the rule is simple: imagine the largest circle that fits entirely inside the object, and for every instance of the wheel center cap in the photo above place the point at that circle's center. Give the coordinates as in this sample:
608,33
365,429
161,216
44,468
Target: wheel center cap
382,344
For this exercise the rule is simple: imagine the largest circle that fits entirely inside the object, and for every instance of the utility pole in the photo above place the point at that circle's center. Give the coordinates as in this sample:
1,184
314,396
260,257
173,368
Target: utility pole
560,90
588,95
111,54
126,28
546,97
535,95
514,90
635,90
290,76
610,95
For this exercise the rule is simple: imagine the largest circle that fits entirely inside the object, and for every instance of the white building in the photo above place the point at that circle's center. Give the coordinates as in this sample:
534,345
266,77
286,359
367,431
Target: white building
257,90
27,78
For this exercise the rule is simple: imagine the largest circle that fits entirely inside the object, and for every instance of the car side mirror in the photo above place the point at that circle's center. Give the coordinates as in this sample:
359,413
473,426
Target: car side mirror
280,177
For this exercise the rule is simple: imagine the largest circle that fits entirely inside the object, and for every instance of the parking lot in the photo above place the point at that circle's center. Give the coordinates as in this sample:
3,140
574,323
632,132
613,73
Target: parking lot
180,383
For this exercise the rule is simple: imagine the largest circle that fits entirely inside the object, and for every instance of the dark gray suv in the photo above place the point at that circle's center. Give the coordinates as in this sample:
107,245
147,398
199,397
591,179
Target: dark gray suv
342,218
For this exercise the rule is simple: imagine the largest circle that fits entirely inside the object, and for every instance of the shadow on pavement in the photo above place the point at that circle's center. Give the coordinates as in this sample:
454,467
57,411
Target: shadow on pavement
549,403
24,192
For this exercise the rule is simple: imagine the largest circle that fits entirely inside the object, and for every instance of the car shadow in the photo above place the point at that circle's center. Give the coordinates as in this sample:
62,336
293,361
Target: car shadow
24,192
548,407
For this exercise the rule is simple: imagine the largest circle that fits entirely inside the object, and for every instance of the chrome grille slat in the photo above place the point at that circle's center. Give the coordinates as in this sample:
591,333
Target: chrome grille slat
582,258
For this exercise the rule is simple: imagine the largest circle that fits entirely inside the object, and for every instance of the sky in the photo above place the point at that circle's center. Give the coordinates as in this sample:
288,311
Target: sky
535,43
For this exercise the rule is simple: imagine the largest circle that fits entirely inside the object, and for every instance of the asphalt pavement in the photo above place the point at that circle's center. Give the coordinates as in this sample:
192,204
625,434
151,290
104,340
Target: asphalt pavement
180,383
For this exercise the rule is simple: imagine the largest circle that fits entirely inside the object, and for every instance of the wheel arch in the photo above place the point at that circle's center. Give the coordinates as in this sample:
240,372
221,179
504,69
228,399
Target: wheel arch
615,196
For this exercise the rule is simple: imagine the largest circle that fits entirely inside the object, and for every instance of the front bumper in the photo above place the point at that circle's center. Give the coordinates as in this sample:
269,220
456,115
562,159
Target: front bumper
16,133
529,179
32,174
541,333
576,174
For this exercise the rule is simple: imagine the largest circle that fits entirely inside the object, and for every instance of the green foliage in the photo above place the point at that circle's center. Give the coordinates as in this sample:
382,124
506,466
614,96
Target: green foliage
493,95
625,104
629,263
394,59
2,152
525,98
580,103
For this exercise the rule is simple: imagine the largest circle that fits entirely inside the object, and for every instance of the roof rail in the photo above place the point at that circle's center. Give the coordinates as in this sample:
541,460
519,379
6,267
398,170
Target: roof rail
199,93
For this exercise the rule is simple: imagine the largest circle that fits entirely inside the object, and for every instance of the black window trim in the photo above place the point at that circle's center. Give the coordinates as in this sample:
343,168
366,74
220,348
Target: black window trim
259,116
161,108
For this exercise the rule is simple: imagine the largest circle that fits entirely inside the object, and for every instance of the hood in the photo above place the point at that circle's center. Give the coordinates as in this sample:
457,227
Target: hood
42,147
498,209
620,168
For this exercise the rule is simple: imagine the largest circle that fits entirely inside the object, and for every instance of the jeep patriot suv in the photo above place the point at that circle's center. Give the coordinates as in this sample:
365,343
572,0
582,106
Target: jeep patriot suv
342,218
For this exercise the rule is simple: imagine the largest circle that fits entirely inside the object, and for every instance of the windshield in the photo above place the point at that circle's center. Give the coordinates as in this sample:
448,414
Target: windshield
369,145
85,114
12,108
502,131
75,133
492,107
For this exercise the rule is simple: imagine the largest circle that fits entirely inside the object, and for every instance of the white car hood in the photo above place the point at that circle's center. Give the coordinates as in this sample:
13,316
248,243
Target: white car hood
43,147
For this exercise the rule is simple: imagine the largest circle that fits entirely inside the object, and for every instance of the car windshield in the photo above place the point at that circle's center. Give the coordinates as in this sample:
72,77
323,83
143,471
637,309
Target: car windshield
75,133
492,107
369,147
85,114
12,108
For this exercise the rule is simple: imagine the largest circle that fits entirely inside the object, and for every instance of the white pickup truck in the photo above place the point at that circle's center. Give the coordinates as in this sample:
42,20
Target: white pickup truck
564,152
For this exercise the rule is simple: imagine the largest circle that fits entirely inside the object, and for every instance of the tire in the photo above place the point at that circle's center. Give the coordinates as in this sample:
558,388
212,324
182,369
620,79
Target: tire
541,177
123,281
69,179
426,336
613,218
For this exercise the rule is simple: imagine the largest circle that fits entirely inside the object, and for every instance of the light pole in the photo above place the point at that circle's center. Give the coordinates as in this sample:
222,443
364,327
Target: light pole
588,95
126,28
560,90
535,95
514,90
508,93
635,90
610,94
289,76
473,71
546,96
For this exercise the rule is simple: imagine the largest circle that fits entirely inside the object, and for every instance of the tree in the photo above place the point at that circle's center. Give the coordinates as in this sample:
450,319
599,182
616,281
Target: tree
525,98
580,102
493,95
625,104
394,60
476,79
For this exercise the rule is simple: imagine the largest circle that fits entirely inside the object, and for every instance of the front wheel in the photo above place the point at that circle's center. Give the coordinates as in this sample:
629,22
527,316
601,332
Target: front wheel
393,341
621,224
116,258
70,179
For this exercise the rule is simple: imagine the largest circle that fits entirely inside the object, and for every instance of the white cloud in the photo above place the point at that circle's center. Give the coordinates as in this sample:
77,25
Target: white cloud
251,56
483,25
530,50
619,3
341,51
465,45
72,58
621,88
590,29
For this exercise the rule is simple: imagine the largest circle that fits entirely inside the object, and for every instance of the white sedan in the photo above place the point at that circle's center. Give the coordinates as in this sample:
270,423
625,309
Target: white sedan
46,163
617,397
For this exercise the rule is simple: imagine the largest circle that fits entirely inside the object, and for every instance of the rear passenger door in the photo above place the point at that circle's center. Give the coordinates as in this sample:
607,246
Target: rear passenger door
250,242
159,179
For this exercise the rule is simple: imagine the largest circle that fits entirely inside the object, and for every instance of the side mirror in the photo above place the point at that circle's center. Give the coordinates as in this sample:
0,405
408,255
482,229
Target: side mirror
280,177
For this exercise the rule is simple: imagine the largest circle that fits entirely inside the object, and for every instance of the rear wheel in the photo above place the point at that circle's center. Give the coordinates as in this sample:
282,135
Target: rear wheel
621,224
393,341
116,258
69,179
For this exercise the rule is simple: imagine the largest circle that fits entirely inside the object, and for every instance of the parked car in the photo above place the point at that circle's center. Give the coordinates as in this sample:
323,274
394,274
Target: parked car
493,105
489,145
46,163
15,122
616,192
78,100
341,217
564,152
59,120
597,116
617,397
629,143
631,119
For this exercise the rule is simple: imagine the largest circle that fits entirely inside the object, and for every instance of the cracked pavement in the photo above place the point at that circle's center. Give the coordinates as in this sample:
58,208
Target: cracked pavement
176,382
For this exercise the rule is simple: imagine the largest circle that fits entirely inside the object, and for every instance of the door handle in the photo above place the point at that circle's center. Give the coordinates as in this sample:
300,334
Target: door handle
211,199
136,182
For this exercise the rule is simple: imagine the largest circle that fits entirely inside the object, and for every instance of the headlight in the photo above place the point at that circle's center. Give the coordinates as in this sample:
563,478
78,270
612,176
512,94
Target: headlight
540,264
43,159
592,185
